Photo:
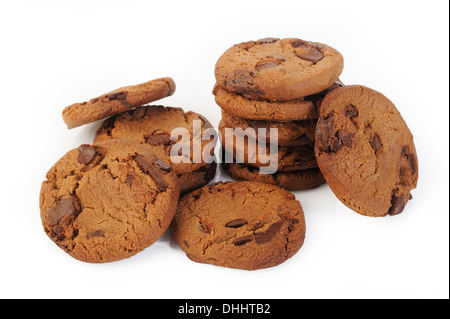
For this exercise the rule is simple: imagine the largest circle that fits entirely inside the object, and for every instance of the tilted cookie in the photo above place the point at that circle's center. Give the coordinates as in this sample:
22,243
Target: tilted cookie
245,225
366,151
117,101
108,201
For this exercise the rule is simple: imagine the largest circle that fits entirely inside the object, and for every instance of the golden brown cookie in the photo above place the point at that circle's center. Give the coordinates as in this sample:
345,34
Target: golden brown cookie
288,133
278,70
279,111
152,125
293,180
245,225
286,158
366,151
108,201
117,101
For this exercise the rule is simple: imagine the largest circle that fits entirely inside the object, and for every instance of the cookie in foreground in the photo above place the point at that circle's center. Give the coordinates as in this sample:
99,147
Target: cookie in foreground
108,201
241,224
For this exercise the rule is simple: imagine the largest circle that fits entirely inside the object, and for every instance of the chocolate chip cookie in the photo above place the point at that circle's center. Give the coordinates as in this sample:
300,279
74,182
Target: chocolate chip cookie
288,133
278,70
117,101
287,158
153,126
245,225
108,201
366,151
281,111
293,180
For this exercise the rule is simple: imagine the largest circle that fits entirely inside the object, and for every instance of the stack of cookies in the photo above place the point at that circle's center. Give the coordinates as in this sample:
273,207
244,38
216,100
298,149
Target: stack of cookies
275,85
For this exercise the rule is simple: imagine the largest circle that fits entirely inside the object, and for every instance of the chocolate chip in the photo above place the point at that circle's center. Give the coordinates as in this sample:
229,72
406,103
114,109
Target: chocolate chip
335,144
411,159
117,96
270,63
311,55
158,139
243,240
86,154
236,223
292,223
412,163
376,142
268,235
351,111
64,207
148,168
397,204
346,138
267,40
186,244
163,165
298,43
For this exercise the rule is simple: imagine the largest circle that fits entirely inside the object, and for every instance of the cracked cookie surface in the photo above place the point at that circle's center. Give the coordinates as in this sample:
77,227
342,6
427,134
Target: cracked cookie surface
108,201
245,225
366,151
278,69
117,101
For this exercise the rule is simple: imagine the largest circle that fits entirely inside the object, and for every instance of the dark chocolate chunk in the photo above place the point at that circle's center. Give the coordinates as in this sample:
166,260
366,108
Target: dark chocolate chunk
86,154
64,207
397,204
376,142
312,55
243,240
148,168
117,96
236,223
269,234
158,139
351,111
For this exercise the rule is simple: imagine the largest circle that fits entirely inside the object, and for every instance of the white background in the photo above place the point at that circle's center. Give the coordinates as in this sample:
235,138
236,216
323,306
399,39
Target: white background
55,53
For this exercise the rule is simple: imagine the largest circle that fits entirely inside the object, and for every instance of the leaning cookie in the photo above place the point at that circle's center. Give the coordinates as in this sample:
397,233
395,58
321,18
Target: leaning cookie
117,101
366,151
108,201
244,225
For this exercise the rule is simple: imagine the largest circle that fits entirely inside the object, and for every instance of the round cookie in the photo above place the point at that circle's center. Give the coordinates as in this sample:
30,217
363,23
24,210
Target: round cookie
289,133
108,201
366,151
117,101
280,111
278,70
245,225
152,125
293,180
287,158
